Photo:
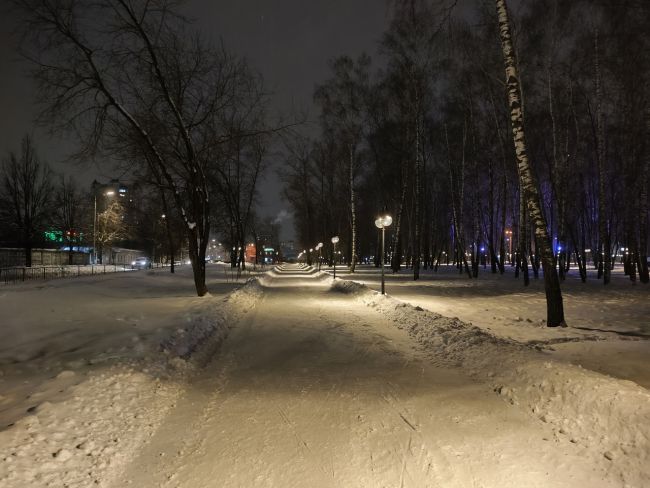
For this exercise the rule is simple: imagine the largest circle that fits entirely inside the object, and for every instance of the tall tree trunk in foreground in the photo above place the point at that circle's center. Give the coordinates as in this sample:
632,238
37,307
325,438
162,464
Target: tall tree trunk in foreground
528,183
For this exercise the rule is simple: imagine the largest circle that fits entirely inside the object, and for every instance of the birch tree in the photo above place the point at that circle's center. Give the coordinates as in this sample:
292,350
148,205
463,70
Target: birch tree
527,180
343,112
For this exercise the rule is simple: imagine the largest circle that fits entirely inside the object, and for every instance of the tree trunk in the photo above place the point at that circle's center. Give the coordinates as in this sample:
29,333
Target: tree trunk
353,211
416,216
397,247
459,245
528,183
603,231
197,247
523,238
644,275
502,235
493,263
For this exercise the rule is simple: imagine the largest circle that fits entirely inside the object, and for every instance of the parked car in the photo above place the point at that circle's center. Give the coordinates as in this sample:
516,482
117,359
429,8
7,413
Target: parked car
141,263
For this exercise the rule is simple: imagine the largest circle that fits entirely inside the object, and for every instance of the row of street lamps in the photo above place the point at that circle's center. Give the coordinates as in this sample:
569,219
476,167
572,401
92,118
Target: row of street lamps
382,223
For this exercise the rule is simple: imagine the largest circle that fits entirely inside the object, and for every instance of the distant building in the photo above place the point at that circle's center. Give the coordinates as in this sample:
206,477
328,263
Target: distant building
127,224
288,251
111,189
250,253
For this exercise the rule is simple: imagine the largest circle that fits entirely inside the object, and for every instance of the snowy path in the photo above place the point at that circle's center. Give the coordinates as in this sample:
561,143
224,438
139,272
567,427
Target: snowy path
311,389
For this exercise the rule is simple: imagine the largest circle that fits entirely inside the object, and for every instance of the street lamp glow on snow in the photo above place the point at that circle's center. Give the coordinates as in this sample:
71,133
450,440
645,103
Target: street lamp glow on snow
382,223
335,239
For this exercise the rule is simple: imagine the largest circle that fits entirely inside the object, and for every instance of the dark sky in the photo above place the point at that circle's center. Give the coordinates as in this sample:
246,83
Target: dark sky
288,41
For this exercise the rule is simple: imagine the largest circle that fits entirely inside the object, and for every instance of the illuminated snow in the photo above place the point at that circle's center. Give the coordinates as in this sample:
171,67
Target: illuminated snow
120,380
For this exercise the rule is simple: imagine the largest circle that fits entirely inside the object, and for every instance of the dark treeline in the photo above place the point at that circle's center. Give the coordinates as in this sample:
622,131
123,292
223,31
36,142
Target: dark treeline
41,208
428,138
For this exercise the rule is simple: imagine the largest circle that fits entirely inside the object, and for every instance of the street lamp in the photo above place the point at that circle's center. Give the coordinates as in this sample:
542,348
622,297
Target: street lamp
382,223
319,247
335,239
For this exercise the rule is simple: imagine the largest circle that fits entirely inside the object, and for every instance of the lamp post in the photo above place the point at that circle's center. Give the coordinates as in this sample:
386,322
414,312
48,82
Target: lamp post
382,223
319,247
335,239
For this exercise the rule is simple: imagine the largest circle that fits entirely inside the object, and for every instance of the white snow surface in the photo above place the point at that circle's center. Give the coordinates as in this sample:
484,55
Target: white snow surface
609,326
293,379
587,408
90,367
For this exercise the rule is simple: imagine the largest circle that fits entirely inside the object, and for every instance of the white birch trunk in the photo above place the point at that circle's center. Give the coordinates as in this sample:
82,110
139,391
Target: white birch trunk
353,211
528,183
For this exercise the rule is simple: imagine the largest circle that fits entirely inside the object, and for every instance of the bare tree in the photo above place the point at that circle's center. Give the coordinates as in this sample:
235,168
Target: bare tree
67,203
342,102
110,227
25,194
122,73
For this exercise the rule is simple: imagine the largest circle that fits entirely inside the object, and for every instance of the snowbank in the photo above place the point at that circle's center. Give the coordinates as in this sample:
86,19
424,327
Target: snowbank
606,415
207,326
276,274
87,438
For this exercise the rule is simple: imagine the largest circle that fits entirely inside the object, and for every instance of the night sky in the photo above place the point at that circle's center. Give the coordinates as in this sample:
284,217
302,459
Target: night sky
289,42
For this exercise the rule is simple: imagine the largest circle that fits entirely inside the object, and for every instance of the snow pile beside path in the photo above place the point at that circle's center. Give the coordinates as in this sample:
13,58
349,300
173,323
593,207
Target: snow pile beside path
452,341
350,287
607,415
83,440
248,295
585,407
207,326
87,438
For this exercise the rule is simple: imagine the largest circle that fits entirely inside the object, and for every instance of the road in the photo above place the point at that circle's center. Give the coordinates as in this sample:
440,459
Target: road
311,389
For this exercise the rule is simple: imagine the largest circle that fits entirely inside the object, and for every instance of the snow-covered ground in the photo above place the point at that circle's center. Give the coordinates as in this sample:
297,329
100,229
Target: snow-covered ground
117,381
609,327
89,366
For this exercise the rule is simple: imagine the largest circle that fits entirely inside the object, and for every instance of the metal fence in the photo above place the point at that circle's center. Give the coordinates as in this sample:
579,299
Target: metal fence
236,273
19,274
